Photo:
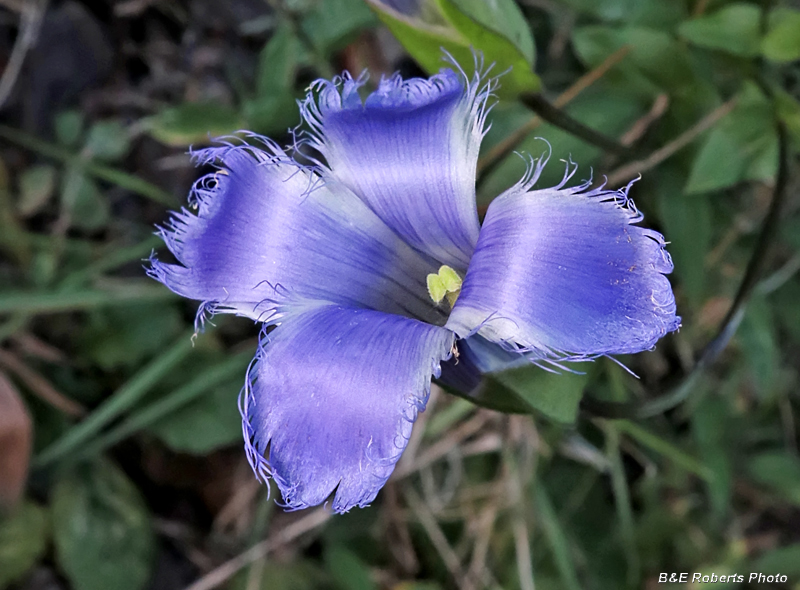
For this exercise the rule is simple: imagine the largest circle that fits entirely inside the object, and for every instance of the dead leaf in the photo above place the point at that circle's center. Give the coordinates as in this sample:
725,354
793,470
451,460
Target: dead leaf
15,444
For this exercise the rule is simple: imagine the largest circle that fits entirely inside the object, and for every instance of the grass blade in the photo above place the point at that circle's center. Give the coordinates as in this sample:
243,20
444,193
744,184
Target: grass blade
141,419
107,173
556,539
120,401
26,302
662,447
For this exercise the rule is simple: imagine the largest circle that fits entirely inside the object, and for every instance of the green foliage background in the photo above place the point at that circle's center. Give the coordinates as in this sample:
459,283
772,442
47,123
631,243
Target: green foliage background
136,477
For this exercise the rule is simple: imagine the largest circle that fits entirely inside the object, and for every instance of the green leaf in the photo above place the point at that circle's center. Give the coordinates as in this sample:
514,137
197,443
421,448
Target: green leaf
782,41
270,114
23,540
556,539
194,123
36,185
503,17
734,28
743,146
778,470
664,448
657,62
119,402
294,575
458,27
610,112
69,128
688,221
709,423
107,173
207,376
88,208
204,425
331,24
760,344
787,109
785,560
125,336
277,63
103,532
655,13
39,302
108,140
555,395
347,569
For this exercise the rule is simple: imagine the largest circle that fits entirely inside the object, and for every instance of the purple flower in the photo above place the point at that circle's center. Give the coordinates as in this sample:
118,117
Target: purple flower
373,269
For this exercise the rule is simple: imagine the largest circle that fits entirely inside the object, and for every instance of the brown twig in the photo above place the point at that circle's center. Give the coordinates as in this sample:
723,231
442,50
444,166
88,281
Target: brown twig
443,447
435,534
224,572
30,22
40,386
505,147
640,127
15,441
632,169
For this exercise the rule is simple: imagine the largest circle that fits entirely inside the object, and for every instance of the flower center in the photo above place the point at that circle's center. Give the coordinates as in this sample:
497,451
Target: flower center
445,283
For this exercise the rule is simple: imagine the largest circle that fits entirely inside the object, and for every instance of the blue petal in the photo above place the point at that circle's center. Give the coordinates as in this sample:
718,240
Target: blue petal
266,230
566,273
334,394
410,152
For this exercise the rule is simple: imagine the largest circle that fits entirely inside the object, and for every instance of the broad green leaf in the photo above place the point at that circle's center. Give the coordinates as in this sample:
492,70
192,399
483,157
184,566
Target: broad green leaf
651,13
787,109
688,221
23,540
709,422
610,112
555,395
125,336
785,560
760,344
556,538
504,18
734,28
103,533
194,123
331,24
347,569
108,140
743,146
778,470
204,425
458,27
493,395
657,62
81,197
271,113
507,44
277,63
36,185
719,164
295,575
782,41
69,128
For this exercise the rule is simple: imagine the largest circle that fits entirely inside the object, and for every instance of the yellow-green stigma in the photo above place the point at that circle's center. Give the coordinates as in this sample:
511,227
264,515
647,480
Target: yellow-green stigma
445,283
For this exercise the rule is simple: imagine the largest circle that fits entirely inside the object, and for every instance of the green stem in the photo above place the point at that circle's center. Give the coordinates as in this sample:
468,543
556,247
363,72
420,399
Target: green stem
555,116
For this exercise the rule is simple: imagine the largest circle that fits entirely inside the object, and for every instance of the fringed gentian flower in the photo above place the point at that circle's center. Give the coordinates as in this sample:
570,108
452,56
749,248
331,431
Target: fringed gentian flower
377,276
